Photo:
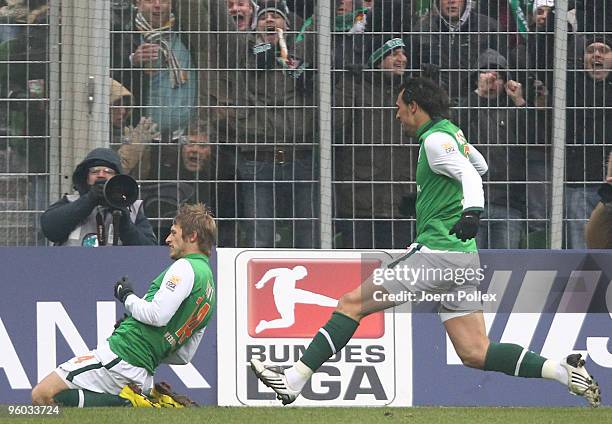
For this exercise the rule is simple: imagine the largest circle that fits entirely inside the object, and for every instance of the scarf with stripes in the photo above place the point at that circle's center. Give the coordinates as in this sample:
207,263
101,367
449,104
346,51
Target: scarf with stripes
158,36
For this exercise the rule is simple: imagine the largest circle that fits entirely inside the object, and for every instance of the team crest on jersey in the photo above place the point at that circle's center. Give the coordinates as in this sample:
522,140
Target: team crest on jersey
448,147
172,282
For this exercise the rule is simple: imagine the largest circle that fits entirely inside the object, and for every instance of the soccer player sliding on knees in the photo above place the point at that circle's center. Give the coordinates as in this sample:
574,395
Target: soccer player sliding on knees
449,201
164,326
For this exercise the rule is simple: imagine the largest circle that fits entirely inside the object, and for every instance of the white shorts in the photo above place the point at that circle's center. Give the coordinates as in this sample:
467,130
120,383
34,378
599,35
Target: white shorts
452,274
102,371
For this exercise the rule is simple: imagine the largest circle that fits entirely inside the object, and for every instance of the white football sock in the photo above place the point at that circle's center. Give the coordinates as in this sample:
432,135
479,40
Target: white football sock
553,370
298,375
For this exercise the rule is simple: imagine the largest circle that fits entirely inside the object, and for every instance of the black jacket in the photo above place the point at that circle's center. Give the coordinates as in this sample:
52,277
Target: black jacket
374,160
501,131
64,216
455,47
589,126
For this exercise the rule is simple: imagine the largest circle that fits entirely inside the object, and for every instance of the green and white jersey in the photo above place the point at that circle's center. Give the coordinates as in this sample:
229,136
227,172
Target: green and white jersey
168,323
448,183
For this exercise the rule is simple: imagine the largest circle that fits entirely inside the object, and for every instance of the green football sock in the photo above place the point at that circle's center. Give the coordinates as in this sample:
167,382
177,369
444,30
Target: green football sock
86,398
513,360
331,338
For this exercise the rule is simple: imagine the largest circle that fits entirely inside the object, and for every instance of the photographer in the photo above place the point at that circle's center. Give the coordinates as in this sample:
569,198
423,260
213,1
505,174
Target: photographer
85,219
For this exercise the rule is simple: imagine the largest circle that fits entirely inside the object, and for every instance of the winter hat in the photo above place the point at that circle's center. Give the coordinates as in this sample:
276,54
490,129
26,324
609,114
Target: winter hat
597,38
277,6
102,162
489,60
384,50
119,93
97,157
542,3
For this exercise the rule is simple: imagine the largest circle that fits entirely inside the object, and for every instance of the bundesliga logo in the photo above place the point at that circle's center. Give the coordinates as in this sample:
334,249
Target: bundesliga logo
294,298
282,300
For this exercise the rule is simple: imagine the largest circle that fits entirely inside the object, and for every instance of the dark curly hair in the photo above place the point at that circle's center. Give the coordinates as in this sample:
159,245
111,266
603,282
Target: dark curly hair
432,98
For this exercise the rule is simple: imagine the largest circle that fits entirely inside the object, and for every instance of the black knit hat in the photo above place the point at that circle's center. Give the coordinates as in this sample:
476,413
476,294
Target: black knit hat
382,47
277,6
597,38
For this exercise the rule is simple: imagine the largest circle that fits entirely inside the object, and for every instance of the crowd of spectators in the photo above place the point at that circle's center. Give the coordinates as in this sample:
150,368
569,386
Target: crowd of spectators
24,105
216,101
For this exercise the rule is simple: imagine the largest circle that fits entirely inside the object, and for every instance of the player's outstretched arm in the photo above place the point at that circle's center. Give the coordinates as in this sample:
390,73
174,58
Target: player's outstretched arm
175,287
444,158
477,160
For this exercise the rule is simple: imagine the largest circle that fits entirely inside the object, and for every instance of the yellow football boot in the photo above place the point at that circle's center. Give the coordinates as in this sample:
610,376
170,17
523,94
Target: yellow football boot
134,394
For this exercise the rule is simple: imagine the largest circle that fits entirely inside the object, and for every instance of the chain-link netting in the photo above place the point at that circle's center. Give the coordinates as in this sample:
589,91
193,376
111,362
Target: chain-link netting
219,101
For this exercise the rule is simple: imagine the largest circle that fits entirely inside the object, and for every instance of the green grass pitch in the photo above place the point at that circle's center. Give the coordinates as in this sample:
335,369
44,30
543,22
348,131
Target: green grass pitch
291,415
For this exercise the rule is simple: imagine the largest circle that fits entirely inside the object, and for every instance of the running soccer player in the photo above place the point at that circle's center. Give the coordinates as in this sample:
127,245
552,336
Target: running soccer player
449,201
166,326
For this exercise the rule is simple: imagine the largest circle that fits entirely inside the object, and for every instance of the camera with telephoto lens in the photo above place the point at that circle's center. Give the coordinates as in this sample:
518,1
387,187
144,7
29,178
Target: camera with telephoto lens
120,191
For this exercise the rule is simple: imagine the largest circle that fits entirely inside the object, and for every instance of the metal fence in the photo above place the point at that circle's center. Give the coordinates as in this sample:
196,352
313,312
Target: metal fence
24,136
294,143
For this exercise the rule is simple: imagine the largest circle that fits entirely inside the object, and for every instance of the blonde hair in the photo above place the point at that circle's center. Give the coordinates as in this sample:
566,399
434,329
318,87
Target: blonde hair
197,218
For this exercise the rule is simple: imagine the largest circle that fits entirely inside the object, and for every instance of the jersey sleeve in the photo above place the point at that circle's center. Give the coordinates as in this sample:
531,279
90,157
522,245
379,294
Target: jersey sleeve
175,287
445,159
477,160
185,353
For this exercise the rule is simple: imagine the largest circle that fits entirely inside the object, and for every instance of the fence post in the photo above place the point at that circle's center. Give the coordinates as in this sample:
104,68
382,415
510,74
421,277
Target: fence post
55,180
324,49
559,123
85,65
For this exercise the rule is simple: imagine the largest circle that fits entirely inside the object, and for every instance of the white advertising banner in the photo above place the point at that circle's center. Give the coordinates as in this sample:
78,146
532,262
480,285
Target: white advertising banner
270,305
